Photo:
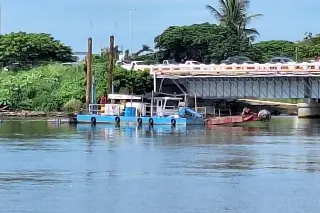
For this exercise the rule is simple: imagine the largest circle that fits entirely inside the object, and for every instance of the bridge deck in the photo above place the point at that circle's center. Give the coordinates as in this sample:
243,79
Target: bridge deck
245,87
296,80
237,70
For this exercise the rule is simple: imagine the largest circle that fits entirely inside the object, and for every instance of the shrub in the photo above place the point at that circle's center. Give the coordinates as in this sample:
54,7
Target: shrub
73,105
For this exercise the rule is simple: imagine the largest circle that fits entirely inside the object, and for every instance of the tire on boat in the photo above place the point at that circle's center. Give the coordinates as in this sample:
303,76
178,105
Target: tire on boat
150,121
139,121
117,120
93,120
173,122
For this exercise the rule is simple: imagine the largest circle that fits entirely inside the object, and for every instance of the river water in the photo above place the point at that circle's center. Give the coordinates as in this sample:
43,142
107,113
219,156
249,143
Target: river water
258,168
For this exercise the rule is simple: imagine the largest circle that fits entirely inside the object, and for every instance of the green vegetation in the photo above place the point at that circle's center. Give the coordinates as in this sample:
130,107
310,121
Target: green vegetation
234,15
57,88
213,43
37,81
30,49
45,88
203,42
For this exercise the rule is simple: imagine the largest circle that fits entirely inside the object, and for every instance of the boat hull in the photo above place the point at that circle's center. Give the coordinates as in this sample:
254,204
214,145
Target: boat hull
105,119
231,119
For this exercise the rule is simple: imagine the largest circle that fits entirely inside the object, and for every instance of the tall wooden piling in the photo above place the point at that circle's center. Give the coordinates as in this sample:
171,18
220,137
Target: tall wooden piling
89,73
111,65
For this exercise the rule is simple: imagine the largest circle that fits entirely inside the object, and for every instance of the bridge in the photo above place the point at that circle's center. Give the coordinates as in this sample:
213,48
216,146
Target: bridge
296,80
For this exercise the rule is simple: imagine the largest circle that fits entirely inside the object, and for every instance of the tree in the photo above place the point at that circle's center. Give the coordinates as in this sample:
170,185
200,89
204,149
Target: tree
302,50
148,58
32,48
104,54
306,51
126,54
234,14
202,42
145,48
276,48
307,36
311,39
136,82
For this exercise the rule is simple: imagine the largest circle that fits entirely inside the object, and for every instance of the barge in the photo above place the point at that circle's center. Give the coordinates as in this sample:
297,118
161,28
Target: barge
129,109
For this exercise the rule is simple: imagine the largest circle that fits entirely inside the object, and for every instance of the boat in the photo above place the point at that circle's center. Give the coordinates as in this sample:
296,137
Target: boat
246,116
231,119
130,109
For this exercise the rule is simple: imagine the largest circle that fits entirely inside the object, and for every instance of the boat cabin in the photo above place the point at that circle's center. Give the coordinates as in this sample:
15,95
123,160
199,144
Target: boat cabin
135,106
118,105
166,106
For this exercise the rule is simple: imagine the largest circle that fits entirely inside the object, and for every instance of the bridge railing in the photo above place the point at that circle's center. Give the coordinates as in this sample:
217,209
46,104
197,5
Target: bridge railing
237,69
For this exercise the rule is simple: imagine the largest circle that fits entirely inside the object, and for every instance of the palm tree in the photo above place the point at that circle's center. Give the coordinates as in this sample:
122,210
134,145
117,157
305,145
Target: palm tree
145,48
233,14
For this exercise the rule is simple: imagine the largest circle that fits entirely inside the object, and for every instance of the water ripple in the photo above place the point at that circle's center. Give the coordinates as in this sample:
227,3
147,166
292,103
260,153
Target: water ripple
81,168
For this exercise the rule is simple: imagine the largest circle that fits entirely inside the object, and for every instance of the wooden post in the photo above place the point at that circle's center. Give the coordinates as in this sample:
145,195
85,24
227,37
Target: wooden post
89,73
151,105
111,65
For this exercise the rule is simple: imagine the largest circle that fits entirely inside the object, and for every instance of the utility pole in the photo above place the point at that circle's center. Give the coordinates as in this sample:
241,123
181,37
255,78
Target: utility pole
131,10
89,73
111,65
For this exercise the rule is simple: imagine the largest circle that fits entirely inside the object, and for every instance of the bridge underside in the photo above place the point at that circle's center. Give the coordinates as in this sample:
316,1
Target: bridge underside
242,87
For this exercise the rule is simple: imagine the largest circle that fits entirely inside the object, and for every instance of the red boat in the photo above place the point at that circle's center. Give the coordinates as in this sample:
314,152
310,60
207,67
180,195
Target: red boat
246,116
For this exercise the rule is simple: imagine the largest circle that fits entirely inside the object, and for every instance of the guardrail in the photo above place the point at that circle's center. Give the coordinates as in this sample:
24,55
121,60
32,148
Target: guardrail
237,69
96,108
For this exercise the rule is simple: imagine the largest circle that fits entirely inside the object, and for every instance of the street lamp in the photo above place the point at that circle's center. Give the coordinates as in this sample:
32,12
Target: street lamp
115,32
131,10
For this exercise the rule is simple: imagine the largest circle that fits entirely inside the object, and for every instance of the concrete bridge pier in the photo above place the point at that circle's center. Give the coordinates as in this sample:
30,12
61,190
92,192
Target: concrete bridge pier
309,109
311,106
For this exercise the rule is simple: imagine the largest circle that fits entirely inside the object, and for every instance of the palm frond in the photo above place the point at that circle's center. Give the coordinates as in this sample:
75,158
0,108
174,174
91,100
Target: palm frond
251,31
215,12
233,13
249,18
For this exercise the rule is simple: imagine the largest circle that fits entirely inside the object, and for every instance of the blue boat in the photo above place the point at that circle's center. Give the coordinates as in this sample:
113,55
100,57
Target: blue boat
129,109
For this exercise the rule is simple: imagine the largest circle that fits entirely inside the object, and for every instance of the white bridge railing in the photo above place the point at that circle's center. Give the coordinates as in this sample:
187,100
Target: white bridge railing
237,69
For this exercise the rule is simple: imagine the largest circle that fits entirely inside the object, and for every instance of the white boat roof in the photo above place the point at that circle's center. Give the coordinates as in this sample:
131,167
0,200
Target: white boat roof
123,97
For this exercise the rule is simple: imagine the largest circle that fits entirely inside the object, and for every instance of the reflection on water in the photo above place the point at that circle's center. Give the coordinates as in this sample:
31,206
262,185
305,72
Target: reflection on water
33,130
256,167
39,177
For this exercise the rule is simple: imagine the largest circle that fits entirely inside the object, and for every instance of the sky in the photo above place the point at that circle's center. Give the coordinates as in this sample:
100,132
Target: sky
69,20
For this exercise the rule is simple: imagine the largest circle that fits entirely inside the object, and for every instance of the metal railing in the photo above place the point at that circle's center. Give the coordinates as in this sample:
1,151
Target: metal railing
238,69
95,108
217,111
